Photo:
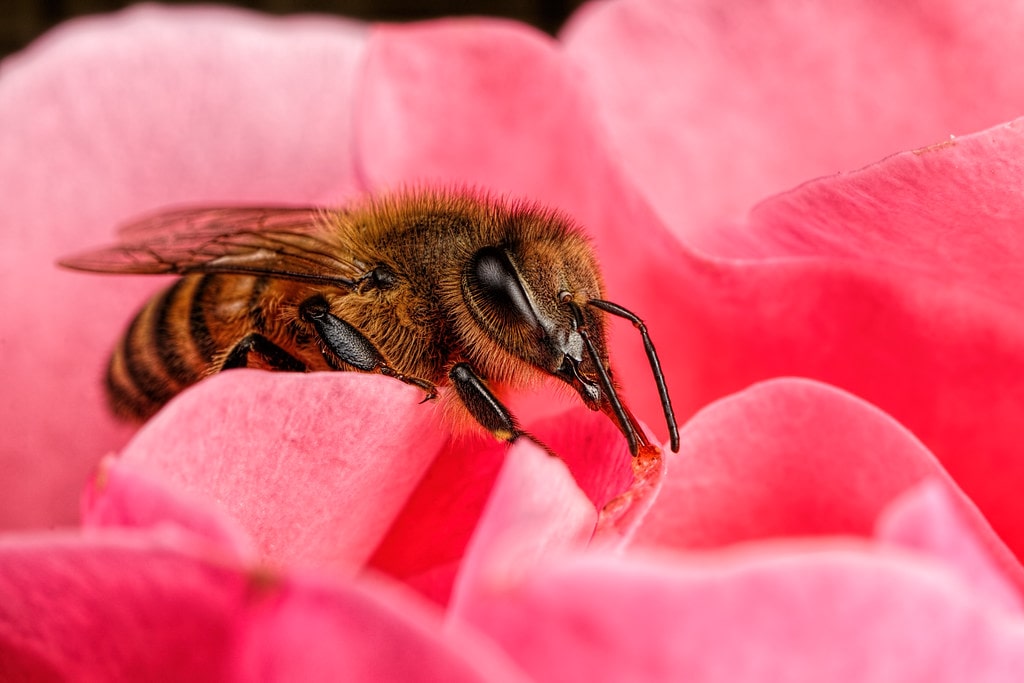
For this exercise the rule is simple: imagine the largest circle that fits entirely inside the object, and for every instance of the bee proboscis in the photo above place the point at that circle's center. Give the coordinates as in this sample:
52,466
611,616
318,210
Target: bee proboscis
431,288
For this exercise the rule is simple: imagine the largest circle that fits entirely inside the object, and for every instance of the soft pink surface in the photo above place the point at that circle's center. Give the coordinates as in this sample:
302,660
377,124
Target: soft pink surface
292,459
124,607
713,106
766,614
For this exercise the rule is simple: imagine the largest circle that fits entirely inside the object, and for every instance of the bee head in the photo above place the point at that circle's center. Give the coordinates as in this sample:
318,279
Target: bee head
543,307
519,300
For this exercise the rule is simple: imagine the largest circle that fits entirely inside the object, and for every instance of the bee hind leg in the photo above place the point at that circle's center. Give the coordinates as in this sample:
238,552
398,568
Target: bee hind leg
351,347
273,355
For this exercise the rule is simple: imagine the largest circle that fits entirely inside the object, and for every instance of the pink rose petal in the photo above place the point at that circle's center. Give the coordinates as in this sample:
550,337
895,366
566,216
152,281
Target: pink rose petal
110,117
294,459
951,212
125,607
120,608
764,615
784,458
930,519
535,513
305,631
712,106
123,495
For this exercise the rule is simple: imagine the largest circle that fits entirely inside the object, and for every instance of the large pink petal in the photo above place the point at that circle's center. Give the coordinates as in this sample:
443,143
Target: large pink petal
106,118
117,608
123,494
127,607
929,518
304,630
784,458
768,614
309,465
950,213
712,106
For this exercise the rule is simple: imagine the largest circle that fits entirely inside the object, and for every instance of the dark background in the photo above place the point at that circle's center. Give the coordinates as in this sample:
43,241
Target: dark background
23,20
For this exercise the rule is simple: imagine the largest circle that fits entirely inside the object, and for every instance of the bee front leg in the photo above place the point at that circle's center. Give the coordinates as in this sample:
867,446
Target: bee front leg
483,405
351,347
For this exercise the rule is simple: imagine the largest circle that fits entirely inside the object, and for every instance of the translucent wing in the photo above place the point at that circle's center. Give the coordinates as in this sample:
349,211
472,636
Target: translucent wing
286,242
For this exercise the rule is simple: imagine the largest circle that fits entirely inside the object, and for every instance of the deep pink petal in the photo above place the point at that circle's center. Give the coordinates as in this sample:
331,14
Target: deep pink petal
122,494
784,458
110,117
929,518
769,614
311,466
116,608
713,106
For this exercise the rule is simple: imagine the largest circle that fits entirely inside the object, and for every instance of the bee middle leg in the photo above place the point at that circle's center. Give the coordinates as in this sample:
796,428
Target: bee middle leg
273,355
351,347
482,404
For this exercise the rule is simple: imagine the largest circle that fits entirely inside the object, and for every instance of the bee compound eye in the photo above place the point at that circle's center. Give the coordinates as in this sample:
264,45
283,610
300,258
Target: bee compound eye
383,277
499,286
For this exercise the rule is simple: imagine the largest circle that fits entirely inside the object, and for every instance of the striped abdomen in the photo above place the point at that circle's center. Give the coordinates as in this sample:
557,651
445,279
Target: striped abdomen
187,332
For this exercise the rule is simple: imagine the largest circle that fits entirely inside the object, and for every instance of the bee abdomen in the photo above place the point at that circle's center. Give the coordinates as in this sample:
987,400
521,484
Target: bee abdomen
167,347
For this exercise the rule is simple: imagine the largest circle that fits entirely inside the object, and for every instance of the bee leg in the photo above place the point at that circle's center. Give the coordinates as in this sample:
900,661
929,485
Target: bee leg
483,405
349,345
275,357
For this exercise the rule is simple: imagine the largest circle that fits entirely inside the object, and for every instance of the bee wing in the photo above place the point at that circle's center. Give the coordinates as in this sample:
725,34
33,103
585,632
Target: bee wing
286,242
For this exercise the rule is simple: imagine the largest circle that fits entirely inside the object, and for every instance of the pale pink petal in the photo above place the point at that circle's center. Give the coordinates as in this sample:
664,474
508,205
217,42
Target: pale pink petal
930,519
121,494
302,630
784,458
109,117
840,614
118,608
535,513
712,106
314,467
951,213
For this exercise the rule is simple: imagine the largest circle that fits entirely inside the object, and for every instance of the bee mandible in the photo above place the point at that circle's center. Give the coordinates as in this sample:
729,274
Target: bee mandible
431,288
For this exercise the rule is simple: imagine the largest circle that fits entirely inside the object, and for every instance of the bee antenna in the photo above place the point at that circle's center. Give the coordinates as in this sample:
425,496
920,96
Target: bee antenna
652,357
606,383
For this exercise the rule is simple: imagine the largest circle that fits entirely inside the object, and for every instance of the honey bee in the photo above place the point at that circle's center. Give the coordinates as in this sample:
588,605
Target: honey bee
430,288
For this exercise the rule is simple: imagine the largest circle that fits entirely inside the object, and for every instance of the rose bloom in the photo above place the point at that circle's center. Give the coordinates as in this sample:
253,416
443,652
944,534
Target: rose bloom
817,208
